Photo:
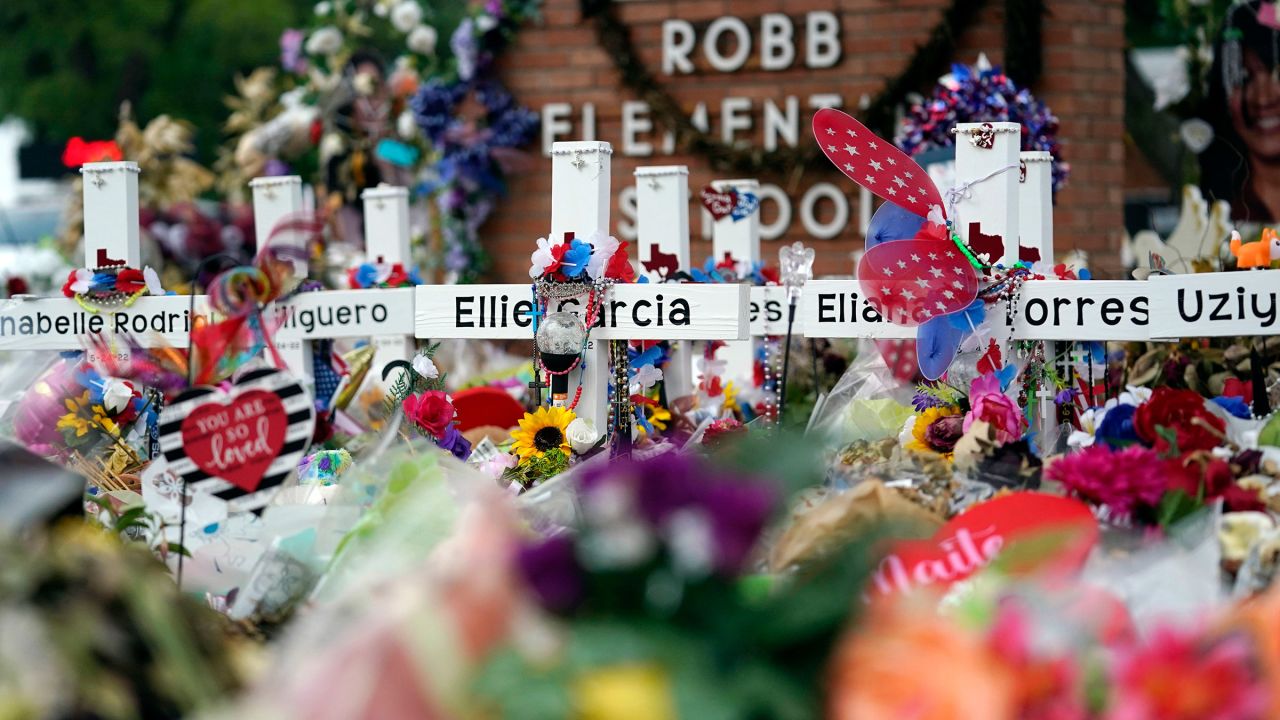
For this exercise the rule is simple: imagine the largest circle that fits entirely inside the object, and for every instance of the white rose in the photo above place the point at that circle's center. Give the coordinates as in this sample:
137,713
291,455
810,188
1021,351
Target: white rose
406,15
422,40
582,435
425,367
116,395
325,41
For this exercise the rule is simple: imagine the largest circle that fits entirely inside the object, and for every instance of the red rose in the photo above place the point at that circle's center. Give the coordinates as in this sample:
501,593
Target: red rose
1209,480
130,281
397,277
1183,412
432,411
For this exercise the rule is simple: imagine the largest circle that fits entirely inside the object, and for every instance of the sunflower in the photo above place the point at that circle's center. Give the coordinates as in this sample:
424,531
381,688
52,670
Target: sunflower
542,431
658,417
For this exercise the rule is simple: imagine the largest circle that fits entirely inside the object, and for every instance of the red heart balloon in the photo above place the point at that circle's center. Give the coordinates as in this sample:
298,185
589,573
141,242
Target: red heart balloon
874,163
237,440
971,540
719,204
911,281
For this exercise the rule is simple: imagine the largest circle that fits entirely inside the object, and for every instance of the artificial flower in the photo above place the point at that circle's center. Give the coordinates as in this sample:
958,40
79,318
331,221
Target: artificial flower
130,281
79,282
1182,413
406,15
1182,675
646,377
582,435
324,41
454,443
1235,387
543,259
1001,412
425,367
1085,435
1121,480
1234,405
542,431
619,267
658,417
1115,429
422,40
75,423
720,431
1208,478
576,257
152,279
431,410
495,466
604,247
551,570
291,50
116,395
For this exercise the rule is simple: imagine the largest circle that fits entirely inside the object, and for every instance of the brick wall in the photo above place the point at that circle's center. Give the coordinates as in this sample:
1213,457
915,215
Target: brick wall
558,60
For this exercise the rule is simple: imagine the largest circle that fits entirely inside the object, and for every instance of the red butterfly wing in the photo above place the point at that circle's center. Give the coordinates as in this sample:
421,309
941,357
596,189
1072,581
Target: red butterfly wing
874,163
911,281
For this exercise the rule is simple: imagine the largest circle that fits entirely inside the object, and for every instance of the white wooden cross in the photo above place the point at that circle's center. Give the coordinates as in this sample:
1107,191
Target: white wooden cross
332,314
386,240
580,180
111,231
739,239
662,235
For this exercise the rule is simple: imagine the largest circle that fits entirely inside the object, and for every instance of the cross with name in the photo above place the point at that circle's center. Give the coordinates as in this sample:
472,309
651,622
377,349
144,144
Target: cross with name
580,204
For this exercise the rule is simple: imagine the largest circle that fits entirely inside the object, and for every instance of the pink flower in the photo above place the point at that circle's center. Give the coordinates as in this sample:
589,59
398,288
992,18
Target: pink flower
1001,412
1180,675
1122,480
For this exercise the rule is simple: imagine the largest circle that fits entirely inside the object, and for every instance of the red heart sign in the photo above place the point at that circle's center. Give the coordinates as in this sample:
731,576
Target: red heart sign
911,281
239,440
971,540
874,163
719,204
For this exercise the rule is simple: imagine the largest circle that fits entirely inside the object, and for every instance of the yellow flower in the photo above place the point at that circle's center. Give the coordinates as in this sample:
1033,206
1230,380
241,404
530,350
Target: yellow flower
74,404
658,417
624,692
72,421
921,426
730,396
542,431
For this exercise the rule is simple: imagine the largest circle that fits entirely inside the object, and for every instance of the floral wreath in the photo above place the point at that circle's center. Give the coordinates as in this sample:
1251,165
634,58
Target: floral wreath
382,275
470,172
598,258
111,283
420,393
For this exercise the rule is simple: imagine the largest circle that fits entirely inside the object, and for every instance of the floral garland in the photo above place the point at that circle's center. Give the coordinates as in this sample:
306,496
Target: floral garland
600,257
469,173
981,93
111,283
382,275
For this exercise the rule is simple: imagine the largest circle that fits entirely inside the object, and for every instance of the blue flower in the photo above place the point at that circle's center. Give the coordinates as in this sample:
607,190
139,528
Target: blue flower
366,275
1237,407
1116,429
576,259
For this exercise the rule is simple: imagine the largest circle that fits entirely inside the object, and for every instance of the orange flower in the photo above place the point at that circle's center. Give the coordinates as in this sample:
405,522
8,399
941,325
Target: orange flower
906,662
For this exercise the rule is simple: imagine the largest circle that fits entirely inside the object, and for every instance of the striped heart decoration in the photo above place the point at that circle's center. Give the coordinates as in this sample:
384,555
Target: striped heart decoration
239,445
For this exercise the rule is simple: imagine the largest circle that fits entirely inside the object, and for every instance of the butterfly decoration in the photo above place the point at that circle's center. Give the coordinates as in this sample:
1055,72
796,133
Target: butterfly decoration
913,273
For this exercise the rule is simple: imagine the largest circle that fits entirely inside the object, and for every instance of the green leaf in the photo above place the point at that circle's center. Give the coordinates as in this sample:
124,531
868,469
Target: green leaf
1170,436
131,517
1174,506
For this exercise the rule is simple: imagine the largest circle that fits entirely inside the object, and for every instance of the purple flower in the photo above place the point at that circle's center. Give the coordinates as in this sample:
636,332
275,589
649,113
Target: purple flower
291,58
463,44
668,484
552,572
453,442
923,401
1066,396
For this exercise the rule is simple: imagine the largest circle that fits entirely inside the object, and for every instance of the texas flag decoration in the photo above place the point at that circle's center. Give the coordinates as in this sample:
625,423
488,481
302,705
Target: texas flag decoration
911,282
874,163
